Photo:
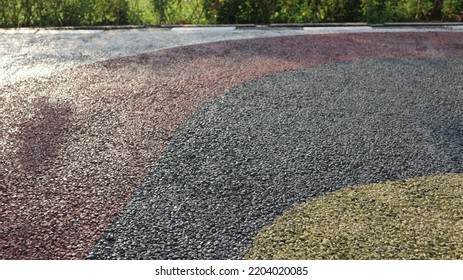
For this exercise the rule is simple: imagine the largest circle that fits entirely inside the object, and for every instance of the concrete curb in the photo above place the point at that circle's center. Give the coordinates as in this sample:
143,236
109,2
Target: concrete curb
204,29
228,27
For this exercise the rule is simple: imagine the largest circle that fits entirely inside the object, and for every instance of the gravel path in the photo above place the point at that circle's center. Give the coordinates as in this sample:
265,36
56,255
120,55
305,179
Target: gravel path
41,52
248,155
32,53
76,145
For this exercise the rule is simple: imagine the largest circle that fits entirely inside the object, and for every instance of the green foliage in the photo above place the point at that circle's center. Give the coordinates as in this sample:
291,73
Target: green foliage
453,10
17,13
398,10
336,11
245,11
108,12
292,11
416,10
9,13
161,9
286,11
379,11
183,11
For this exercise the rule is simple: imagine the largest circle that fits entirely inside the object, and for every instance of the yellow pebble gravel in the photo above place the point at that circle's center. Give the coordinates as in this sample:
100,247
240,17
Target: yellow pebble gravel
419,218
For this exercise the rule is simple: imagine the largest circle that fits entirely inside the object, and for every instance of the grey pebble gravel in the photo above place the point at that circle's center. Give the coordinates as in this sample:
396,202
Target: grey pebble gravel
246,156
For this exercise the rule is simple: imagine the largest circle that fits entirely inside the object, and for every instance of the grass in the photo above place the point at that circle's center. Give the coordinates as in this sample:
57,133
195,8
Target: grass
179,12
145,11
411,219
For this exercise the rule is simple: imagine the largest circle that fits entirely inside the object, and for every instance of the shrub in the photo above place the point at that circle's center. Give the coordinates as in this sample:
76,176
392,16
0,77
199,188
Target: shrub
415,10
452,10
380,11
17,13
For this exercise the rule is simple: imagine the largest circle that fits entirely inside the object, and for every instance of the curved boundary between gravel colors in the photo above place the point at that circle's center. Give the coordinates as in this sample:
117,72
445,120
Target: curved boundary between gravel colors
419,218
246,156
76,145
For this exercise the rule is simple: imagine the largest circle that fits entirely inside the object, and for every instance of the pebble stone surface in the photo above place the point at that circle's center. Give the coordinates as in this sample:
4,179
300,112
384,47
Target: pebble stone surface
41,52
246,156
76,145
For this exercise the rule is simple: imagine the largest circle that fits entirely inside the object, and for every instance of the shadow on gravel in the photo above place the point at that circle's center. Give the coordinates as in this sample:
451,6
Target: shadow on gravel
321,49
42,136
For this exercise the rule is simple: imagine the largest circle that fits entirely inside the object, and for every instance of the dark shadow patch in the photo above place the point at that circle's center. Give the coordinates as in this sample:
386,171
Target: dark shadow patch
41,137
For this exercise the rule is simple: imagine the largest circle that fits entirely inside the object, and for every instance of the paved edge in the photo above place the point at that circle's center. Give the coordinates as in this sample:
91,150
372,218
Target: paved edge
231,27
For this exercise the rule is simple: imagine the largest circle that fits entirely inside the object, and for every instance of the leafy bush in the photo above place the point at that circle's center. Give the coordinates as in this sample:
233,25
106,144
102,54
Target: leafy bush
380,11
287,11
452,10
16,13
184,11
292,11
416,10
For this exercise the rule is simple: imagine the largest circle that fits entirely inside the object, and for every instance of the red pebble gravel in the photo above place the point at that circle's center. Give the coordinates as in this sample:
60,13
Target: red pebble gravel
75,146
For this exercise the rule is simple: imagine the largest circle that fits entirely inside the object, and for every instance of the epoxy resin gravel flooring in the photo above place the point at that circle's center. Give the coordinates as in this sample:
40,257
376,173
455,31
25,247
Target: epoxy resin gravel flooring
88,169
246,156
